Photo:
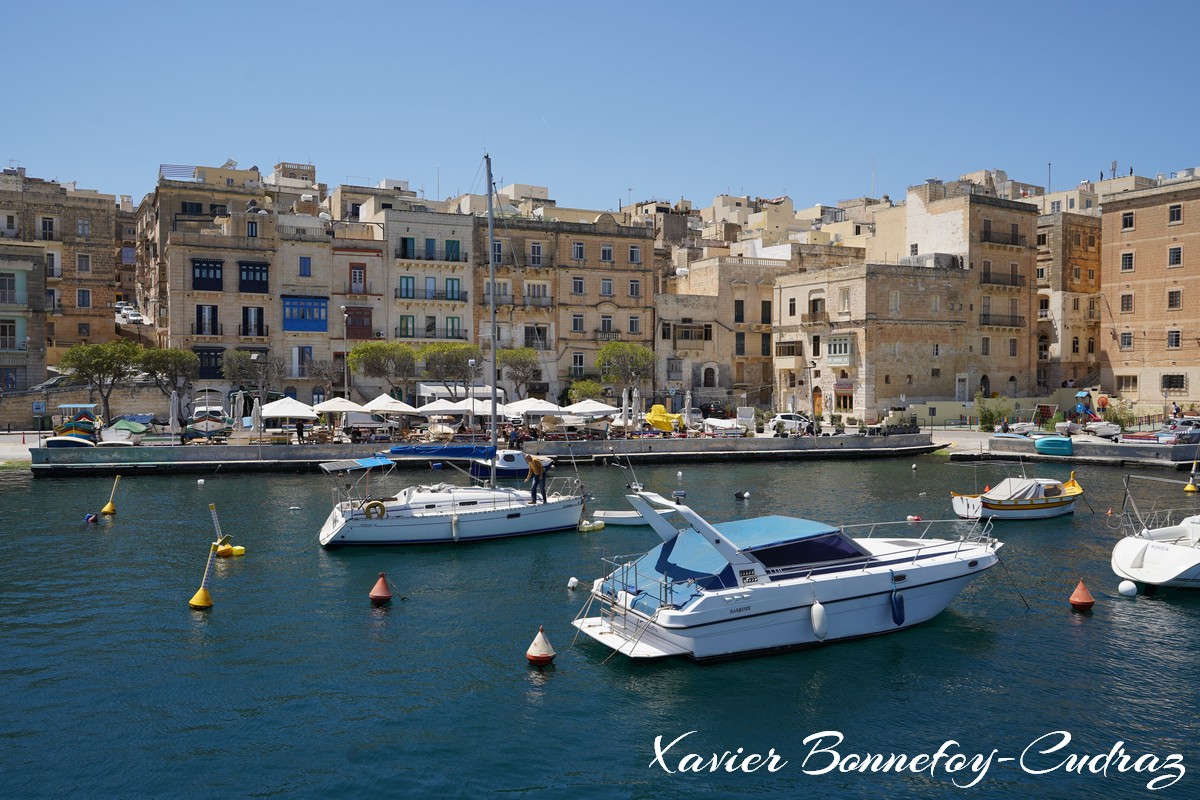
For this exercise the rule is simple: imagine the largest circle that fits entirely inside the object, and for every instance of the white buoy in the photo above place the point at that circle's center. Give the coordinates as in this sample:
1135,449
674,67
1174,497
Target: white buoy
1127,589
200,481
679,474
914,466
540,653
573,582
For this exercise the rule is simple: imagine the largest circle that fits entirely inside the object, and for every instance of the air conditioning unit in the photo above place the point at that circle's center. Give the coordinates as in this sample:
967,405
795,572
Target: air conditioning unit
378,334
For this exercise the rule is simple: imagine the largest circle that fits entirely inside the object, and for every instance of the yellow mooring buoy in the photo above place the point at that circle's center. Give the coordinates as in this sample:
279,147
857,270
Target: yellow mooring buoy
202,600
110,509
1191,484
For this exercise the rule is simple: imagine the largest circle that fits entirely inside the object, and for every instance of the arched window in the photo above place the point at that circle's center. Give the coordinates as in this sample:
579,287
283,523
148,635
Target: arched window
1043,348
985,386
290,391
1091,346
318,394
1075,344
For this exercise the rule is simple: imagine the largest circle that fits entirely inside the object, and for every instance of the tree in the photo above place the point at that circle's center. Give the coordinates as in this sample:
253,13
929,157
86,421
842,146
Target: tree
586,389
103,365
625,363
171,369
325,374
522,366
260,370
450,364
395,362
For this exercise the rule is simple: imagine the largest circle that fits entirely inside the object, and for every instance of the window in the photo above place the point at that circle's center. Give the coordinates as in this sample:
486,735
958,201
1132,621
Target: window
1175,299
408,247
839,347
606,323
935,304
535,254
1091,274
765,345
407,290
1174,214
84,329
791,306
1173,340
1174,382
844,299
83,227
912,249
358,323
253,323
739,310
83,298
1126,303
577,251
1174,256
206,275
1126,383
305,266
358,278
606,252
407,328
1127,220
253,277
1041,240
937,349
207,321
1126,341
635,288
251,229
666,331
894,301
497,251
453,250
1055,206
430,249
764,312
306,314
1071,204
577,323
83,262
454,289
606,287
1075,345
985,346
816,346
635,254
635,326
191,209
454,328
577,365
537,337
1126,262
210,361
577,284
1012,347
1091,345
739,344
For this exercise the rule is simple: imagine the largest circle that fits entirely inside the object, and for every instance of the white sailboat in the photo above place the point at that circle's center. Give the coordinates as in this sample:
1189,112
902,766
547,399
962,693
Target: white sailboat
443,512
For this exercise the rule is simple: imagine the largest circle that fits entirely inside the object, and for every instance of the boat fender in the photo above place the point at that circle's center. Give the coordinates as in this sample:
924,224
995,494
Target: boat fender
820,622
897,607
454,526
913,518
375,510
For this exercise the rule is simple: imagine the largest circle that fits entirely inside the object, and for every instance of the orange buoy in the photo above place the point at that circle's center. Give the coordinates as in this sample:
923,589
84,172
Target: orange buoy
1081,598
381,595
987,488
540,653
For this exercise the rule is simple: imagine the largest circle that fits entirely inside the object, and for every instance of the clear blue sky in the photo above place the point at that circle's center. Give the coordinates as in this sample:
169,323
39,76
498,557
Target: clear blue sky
604,101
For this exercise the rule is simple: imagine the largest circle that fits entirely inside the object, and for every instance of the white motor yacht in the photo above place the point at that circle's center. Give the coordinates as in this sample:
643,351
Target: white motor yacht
1161,547
777,583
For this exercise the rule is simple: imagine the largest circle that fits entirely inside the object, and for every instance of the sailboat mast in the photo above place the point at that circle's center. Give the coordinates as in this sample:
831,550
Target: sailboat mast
487,159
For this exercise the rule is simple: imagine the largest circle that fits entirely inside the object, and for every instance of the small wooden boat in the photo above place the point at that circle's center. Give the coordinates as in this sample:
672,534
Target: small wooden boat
1054,445
1020,498
67,441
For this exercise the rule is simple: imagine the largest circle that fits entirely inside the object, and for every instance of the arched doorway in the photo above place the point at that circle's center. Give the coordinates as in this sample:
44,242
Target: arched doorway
818,408
985,386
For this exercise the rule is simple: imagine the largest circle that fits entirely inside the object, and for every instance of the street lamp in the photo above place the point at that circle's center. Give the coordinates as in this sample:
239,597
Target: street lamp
345,353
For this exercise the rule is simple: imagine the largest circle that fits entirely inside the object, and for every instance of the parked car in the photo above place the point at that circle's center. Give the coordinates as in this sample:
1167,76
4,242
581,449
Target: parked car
791,422
57,382
134,317
715,410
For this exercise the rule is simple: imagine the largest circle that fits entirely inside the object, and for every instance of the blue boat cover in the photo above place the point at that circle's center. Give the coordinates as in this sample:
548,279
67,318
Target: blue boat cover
447,451
351,464
747,534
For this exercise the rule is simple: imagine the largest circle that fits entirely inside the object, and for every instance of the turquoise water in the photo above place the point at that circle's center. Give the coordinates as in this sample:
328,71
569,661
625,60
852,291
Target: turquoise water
293,685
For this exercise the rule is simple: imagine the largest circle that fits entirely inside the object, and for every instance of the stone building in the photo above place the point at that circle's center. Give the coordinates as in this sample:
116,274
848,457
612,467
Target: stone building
1150,351
22,314
76,227
1069,300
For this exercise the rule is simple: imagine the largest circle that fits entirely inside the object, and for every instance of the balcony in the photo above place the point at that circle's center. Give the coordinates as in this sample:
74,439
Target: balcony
452,297
996,237
1001,279
577,373
534,343
448,256
815,318
1043,313
303,234
608,336
501,299
11,343
254,331
208,329
357,287
1002,320
538,302
674,374
54,273
10,297
456,334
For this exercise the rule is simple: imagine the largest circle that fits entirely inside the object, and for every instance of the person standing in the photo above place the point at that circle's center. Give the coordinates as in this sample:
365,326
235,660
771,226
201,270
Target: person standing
299,431
537,473
1174,410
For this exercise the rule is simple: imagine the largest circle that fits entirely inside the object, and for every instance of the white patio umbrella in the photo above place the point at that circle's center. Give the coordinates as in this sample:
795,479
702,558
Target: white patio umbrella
441,406
687,408
256,418
635,406
532,405
386,404
173,425
338,405
625,408
288,407
590,408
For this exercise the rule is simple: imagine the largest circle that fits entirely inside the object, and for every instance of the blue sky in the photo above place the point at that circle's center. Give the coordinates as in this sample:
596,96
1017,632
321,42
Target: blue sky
603,102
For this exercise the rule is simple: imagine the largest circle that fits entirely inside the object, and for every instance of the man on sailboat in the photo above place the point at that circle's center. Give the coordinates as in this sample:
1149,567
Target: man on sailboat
538,473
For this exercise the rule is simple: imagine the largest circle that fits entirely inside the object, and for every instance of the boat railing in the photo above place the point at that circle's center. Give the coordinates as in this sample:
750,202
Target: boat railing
623,576
966,531
1130,524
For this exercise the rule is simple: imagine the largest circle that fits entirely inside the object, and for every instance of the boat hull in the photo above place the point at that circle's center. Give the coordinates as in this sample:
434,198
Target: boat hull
973,507
780,617
1161,557
510,514
1054,445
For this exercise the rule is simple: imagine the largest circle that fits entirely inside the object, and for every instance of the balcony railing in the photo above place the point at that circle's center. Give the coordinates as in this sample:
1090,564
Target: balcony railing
1002,320
431,333
46,236
1001,279
303,234
433,255
538,344
254,330
11,297
208,329
1043,313
583,372
996,237
539,302
357,287
10,343
421,294
815,318
674,374
608,336
501,299
54,272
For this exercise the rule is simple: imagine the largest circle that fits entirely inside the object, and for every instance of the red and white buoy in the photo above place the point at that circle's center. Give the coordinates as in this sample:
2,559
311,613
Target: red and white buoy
1081,598
381,595
540,653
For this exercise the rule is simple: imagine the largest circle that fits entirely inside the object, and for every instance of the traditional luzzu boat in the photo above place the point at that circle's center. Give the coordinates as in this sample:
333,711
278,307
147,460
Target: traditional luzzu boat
78,431
776,583
1020,498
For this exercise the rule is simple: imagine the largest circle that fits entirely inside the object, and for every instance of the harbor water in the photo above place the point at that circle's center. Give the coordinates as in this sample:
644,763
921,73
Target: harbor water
293,685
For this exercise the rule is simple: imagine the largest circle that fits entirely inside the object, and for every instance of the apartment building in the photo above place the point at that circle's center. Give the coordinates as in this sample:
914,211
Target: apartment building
1150,351
22,314
76,229
1069,300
